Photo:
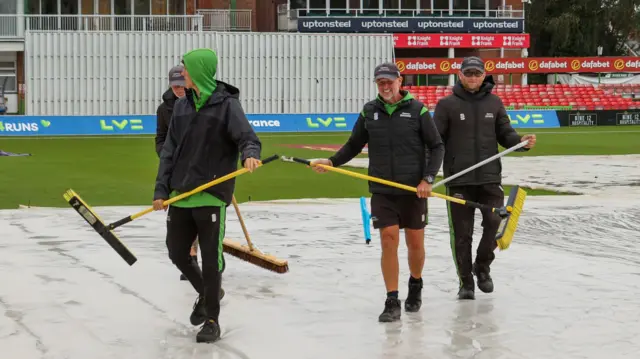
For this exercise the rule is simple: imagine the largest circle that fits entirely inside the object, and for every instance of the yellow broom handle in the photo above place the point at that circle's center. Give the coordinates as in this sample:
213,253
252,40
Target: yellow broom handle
193,191
388,183
205,186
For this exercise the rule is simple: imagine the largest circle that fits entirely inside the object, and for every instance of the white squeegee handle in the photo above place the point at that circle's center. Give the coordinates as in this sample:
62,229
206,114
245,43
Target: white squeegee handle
503,153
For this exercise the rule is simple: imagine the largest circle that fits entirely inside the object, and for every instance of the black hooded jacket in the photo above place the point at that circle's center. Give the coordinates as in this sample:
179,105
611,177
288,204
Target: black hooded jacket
204,145
471,126
163,117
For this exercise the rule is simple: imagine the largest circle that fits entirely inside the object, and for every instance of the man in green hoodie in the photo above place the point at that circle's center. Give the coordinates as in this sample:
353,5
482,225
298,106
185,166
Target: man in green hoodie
208,130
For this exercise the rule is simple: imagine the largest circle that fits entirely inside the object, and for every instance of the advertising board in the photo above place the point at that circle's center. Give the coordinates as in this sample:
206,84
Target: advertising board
461,41
412,66
262,123
410,24
146,124
599,118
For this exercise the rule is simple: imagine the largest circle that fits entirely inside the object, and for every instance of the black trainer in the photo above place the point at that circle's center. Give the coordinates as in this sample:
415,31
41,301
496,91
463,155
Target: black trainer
199,314
414,298
485,283
391,311
209,333
466,293
467,290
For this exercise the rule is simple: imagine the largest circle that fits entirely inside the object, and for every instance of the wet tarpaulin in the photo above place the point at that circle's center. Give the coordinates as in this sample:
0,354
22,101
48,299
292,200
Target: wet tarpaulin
566,288
11,154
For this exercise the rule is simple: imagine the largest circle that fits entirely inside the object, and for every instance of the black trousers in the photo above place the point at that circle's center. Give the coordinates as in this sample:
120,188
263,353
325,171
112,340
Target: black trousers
461,222
208,223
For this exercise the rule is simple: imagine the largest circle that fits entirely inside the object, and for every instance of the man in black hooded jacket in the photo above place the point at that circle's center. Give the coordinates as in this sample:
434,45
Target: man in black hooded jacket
163,115
163,118
472,122
208,133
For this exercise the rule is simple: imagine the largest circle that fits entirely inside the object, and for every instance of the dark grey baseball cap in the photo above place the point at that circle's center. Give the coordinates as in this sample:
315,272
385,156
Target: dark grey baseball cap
472,63
175,76
387,70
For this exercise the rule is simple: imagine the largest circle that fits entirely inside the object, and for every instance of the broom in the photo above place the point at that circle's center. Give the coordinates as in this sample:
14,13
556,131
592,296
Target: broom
106,230
510,213
508,224
250,253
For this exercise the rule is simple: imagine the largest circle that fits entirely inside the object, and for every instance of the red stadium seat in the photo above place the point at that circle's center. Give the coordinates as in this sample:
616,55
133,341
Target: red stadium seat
581,96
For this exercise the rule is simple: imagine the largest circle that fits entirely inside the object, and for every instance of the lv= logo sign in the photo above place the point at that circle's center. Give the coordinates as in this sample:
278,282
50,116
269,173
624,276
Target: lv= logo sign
339,122
134,125
538,119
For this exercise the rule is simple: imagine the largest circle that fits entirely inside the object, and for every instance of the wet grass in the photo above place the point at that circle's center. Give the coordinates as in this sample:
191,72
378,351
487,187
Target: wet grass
121,170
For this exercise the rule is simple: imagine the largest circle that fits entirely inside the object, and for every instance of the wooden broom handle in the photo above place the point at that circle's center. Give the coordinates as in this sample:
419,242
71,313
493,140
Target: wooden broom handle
244,228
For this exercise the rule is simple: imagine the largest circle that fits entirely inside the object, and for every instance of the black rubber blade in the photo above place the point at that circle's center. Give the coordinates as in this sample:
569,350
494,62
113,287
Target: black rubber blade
98,225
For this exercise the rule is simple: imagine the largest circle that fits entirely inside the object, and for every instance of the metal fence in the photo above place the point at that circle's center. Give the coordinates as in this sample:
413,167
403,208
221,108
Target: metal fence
226,20
499,12
88,73
10,26
14,26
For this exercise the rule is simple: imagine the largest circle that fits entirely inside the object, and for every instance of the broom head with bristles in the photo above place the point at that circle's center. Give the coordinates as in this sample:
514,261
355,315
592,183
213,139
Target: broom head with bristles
98,225
508,225
266,261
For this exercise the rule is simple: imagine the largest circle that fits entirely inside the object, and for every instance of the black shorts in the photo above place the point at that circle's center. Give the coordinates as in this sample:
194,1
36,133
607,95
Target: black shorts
406,211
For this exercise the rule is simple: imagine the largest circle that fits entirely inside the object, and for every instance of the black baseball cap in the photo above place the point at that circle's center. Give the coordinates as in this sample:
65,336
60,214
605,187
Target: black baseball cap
387,70
175,76
472,63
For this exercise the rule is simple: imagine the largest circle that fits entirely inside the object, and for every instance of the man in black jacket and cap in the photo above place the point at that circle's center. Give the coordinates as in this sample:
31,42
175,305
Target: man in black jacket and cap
472,122
404,147
169,97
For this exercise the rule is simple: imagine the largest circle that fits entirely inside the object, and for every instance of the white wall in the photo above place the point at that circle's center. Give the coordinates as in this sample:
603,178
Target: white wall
126,73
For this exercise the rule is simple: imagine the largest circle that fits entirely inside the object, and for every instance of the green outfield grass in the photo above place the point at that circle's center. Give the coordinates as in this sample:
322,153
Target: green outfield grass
121,170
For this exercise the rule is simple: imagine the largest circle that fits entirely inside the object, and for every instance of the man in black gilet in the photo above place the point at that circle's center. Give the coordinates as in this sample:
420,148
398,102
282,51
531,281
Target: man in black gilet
404,146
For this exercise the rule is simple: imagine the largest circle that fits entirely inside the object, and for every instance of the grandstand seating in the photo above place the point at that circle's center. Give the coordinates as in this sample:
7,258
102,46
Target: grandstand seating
559,96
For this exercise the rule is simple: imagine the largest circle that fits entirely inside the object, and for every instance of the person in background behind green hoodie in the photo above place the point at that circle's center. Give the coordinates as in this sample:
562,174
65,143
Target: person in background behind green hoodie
207,135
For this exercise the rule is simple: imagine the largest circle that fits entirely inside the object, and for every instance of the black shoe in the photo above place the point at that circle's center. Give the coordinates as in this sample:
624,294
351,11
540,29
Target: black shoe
414,298
209,333
467,290
485,283
466,293
199,314
391,311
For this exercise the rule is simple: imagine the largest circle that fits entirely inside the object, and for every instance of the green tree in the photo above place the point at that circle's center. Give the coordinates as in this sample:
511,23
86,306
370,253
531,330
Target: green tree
578,27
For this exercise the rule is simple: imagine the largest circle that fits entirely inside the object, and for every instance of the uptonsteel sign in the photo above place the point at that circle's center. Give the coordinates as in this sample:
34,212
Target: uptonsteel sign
413,24
416,41
409,66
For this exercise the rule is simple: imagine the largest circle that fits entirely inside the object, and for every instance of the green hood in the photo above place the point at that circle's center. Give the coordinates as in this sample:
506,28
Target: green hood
202,64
